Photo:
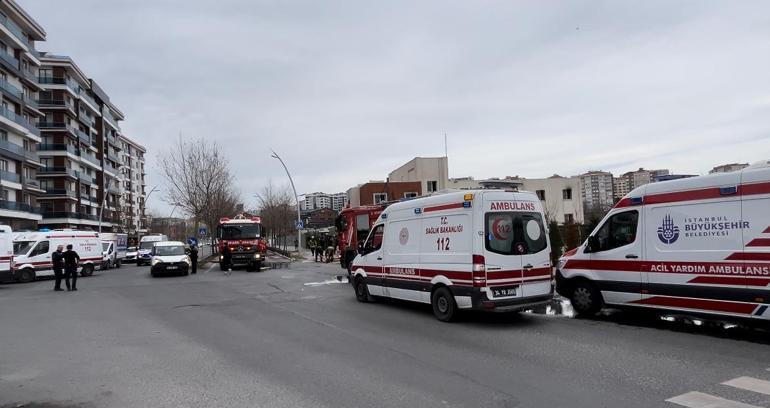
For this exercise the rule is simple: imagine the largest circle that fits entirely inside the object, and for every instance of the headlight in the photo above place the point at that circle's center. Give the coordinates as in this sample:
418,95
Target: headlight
187,261
257,256
221,257
156,261
561,264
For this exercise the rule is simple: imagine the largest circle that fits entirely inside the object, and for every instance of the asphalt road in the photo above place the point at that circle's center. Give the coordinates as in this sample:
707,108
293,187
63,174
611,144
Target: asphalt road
295,337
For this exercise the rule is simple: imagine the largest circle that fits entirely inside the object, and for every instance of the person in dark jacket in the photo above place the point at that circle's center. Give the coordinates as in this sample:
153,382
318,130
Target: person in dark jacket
194,258
57,258
71,261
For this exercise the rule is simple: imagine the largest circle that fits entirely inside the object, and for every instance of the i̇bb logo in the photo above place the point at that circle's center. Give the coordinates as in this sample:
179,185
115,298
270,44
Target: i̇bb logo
403,236
502,228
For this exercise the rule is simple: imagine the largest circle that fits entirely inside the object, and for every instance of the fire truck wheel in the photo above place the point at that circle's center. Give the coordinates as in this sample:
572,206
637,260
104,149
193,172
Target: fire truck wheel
26,275
444,306
87,270
586,298
257,266
362,292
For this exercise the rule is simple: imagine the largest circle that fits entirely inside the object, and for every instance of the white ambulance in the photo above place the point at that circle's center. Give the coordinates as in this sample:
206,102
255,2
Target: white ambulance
6,253
481,249
32,252
697,245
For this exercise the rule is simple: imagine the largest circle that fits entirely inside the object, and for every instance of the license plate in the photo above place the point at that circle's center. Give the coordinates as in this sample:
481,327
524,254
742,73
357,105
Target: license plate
171,267
504,292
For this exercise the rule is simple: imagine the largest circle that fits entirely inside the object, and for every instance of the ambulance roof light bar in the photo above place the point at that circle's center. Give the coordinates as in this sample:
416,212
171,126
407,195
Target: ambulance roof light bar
497,184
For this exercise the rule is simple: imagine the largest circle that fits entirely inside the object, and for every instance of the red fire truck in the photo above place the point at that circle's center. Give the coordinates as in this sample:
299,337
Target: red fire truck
241,236
353,225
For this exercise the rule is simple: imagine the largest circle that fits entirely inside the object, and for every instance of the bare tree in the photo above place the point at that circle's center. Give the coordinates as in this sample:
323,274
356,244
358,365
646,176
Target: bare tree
198,180
277,206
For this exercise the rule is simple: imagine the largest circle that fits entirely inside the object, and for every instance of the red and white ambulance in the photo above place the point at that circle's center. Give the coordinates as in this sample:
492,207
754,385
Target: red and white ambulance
697,245
481,249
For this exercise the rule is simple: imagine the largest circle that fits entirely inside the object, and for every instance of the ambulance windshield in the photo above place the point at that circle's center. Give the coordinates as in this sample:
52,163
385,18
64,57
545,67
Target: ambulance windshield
515,233
22,247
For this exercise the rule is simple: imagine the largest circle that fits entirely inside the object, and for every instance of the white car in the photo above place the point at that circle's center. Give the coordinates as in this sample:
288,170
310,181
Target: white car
169,257
131,254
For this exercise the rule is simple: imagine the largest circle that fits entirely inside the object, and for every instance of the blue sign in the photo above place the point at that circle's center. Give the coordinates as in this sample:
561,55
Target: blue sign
202,231
299,224
192,241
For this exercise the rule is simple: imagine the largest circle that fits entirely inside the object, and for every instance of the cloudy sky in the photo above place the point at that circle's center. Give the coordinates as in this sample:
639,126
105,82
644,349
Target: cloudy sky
346,91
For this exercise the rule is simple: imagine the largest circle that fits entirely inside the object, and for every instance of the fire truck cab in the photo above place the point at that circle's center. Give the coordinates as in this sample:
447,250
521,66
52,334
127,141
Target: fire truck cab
353,226
241,243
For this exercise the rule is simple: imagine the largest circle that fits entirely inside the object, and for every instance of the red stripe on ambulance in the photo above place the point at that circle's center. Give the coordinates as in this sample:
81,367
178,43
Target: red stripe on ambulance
698,304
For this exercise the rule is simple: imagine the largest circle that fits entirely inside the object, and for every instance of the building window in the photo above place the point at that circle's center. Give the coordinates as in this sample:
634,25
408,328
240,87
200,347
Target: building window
4,165
566,194
4,194
3,135
380,197
569,218
541,194
432,186
410,194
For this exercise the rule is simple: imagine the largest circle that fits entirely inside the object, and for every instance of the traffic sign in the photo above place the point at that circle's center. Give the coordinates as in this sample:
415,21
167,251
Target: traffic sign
299,224
202,231
192,241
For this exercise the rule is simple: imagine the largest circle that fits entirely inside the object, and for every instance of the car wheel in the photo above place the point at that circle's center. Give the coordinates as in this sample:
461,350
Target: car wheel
153,274
362,292
26,275
586,298
87,270
444,306
118,264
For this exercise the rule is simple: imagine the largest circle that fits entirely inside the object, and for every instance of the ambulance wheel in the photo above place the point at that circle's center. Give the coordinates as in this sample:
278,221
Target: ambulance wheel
26,275
586,298
87,270
362,292
118,264
444,306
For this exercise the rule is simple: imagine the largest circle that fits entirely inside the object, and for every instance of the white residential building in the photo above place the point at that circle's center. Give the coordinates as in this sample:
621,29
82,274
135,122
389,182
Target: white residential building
560,196
432,172
596,191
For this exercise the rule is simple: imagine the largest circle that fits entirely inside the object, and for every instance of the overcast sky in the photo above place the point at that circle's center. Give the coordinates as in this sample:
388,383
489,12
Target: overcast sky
347,91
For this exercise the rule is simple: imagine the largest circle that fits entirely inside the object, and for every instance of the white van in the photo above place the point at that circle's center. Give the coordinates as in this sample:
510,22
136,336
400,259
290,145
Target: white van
32,252
480,249
144,254
169,257
114,249
697,245
6,253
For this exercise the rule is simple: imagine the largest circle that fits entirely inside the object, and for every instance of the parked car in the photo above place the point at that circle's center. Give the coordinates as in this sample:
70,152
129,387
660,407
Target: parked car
131,253
169,257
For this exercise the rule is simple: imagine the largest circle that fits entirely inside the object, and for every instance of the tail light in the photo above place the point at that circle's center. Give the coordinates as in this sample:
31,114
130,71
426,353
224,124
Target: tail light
479,271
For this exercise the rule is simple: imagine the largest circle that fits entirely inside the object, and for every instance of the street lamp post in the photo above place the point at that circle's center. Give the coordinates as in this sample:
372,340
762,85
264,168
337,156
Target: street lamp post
296,197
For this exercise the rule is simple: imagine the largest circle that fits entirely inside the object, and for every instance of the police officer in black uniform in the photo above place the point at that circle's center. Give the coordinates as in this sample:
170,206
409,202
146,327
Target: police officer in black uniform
57,259
194,258
71,260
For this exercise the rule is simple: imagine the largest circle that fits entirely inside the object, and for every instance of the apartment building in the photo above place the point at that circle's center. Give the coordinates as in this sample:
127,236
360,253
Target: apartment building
560,196
80,152
431,172
628,181
19,136
315,201
596,192
729,168
133,172
375,192
339,201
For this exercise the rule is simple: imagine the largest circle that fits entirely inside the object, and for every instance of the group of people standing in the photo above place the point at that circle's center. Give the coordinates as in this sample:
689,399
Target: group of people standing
65,264
323,247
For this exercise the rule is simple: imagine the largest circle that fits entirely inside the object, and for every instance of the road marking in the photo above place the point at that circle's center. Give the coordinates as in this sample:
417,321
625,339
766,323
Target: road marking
210,268
750,384
696,399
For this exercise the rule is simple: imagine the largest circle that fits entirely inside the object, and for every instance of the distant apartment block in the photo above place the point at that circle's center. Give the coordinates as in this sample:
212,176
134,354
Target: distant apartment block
626,182
134,193
729,168
315,201
19,113
431,172
596,191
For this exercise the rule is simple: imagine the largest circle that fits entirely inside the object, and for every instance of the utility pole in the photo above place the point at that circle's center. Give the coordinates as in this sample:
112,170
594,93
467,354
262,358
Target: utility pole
296,198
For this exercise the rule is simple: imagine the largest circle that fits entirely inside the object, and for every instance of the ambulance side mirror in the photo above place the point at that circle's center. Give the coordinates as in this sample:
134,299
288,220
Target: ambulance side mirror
361,249
592,245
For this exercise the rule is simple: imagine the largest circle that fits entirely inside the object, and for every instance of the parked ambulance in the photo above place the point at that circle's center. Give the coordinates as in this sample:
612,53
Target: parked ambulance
481,249
146,243
697,245
32,252
6,253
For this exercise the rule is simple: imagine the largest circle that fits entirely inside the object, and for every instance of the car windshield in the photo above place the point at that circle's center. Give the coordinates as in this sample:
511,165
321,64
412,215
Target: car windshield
22,247
169,250
105,246
131,249
242,231
146,245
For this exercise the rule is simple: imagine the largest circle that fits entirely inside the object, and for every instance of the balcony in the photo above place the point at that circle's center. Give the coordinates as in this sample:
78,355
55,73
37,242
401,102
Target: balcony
78,216
31,102
8,176
55,103
84,96
20,121
61,192
18,151
53,170
9,89
74,87
91,159
56,147
14,206
114,190
83,177
15,30
108,117
31,182
83,136
9,59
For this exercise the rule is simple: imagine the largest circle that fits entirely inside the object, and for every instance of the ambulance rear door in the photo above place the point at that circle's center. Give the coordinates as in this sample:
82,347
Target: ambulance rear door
502,220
